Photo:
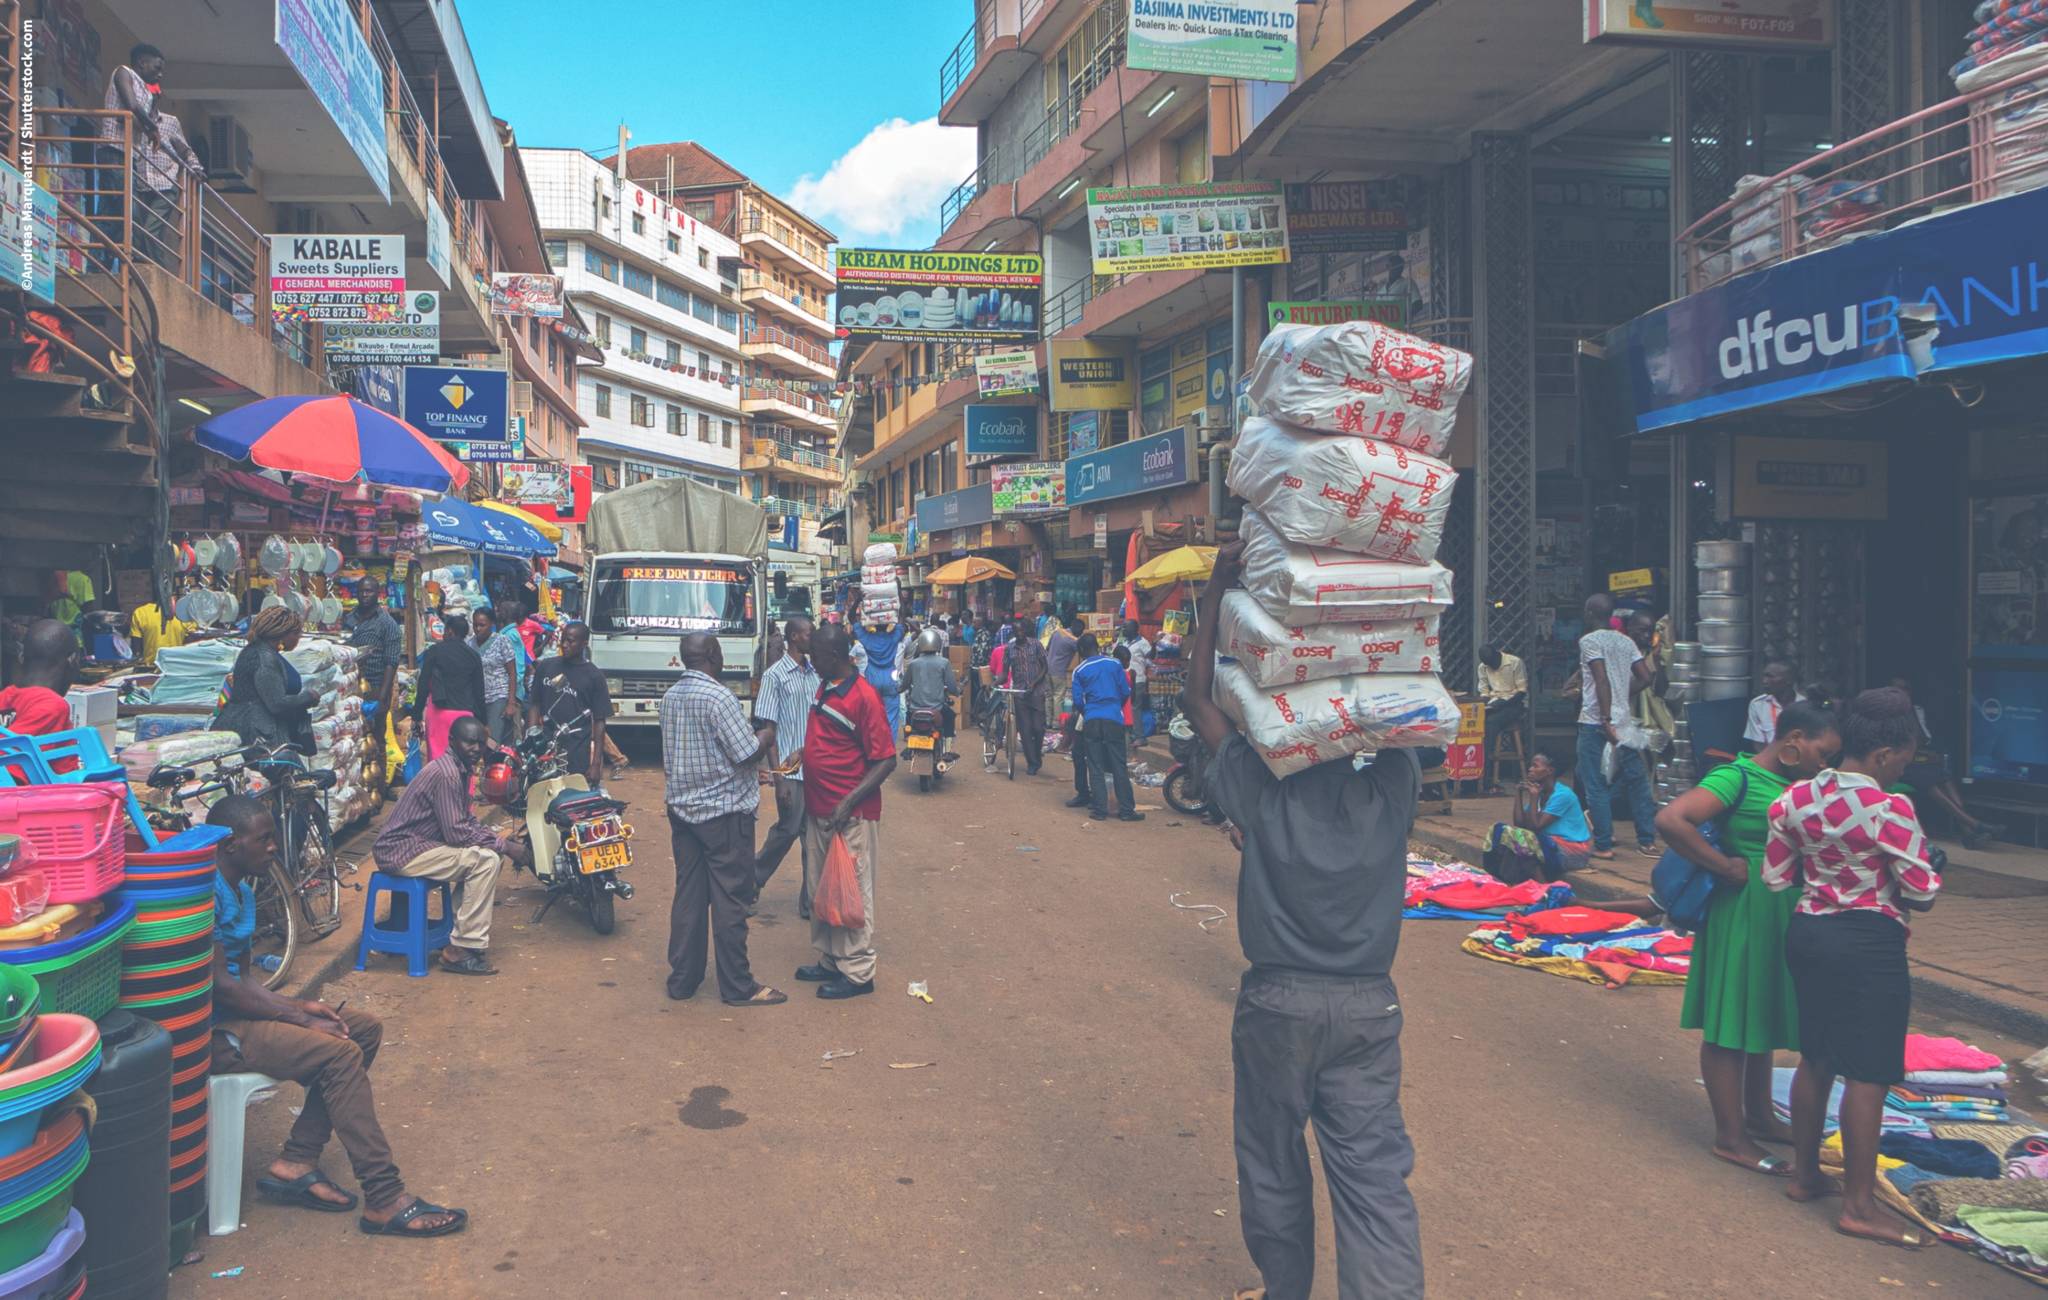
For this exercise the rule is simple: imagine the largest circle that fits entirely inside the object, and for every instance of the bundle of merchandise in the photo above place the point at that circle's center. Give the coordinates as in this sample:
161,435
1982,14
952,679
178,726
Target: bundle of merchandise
881,599
339,743
1455,891
1331,649
1584,943
195,673
1949,1080
2018,111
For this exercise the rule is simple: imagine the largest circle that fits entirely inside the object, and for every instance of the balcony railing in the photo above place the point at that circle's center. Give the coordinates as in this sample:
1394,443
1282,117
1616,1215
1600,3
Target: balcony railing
755,220
786,506
1065,114
1982,145
959,65
777,393
781,338
967,191
788,291
798,454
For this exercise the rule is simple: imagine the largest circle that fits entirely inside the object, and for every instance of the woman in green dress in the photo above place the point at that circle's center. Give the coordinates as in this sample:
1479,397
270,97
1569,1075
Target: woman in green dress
1739,995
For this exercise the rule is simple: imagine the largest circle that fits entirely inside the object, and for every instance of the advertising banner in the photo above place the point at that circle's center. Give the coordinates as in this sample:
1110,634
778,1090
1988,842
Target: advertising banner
1809,478
1760,24
1030,488
324,41
1002,430
1091,376
458,404
1151,464
1187,227
2009,725
28,235
440,250
1006,374
515,293
380,386
558,493
1247,40
963,509
916,297
1348,217
1385,311
1084,432
337,277
413,337
2009,576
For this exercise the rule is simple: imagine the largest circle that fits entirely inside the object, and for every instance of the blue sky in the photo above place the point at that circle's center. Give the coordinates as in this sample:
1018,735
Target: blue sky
829,103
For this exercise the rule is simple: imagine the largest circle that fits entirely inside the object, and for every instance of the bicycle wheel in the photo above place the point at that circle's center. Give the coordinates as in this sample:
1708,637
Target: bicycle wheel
278,926
991,737
317,869
1010,734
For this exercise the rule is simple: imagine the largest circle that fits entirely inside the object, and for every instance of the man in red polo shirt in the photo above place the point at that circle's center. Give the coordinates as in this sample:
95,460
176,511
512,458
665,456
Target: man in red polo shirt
34,705
848,753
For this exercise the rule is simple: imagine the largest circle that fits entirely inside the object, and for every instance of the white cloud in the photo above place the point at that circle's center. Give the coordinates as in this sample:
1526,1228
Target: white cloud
891,183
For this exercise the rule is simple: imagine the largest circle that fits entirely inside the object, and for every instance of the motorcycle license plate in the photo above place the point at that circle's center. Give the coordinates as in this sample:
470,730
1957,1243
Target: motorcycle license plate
593,858
920,742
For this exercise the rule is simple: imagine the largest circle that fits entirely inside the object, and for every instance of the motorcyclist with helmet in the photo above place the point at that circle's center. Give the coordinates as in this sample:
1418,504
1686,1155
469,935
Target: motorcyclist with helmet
929,682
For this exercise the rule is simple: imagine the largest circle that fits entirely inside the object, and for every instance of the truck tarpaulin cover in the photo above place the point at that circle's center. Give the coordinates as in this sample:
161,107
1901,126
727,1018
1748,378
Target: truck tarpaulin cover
676,515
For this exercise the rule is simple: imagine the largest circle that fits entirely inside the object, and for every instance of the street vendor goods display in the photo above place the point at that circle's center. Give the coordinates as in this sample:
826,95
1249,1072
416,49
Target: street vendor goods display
1584,943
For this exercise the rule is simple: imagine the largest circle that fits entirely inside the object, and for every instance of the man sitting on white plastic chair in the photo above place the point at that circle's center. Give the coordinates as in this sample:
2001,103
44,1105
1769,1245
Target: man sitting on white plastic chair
327,1049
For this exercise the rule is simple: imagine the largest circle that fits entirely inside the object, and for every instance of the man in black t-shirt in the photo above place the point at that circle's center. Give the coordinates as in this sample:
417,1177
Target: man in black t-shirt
569,692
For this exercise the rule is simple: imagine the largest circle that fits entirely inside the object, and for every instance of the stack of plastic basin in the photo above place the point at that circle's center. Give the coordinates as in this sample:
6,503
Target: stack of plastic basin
81,975
43,1146
56,1274
167,976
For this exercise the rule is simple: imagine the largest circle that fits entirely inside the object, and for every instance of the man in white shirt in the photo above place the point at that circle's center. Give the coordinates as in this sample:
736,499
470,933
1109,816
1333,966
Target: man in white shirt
1133,640
1504,685
1764,709
1612,671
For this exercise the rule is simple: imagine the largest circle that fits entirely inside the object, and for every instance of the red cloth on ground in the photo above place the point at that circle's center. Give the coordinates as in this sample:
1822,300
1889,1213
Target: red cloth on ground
1572,920
1481,895
1925,1053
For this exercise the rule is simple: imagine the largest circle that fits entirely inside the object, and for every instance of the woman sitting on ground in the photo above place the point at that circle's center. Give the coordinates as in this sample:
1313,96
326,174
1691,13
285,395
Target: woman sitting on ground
1549,836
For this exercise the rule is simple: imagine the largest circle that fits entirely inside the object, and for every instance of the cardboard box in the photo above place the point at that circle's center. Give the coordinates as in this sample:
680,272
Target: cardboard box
961,656
95,707
1100,624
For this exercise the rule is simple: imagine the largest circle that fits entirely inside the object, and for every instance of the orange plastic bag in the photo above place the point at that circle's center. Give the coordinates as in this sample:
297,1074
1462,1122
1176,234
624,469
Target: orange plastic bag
838,902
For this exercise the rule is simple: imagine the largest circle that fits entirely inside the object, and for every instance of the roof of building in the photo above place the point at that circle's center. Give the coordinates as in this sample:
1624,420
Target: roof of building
697,167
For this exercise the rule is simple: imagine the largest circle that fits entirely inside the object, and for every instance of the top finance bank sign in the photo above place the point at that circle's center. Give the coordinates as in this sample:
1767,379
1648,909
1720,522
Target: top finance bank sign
337,277
1249,40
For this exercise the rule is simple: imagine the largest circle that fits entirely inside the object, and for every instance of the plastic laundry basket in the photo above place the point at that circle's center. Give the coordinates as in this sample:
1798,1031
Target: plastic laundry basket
80,975
76,830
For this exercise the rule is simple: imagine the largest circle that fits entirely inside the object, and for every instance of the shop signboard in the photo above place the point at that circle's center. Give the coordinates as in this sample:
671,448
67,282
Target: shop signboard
1839,318
1149,464
440,254
2009,725
909,296
965,508
1809,478
557,493
28,235
459,404
337,277
1102,539
1030,488
1756,24
323,39
381,386
511,449
1006,374
515,293
1347,217
1002,430
1187,227
1465,758
1246,40
413,338
1091,376
1384,311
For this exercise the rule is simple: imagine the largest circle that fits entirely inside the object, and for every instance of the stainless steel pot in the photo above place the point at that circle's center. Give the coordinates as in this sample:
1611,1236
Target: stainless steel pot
1729,609
1685,652
1723,634
1723,582
1721,555
1733,688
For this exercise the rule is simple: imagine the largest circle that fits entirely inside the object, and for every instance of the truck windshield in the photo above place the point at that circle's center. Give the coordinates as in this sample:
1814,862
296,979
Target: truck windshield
677,597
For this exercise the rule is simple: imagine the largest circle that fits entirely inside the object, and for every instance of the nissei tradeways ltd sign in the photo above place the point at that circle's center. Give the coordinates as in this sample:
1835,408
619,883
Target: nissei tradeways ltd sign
1967,288
1149,464
1002,430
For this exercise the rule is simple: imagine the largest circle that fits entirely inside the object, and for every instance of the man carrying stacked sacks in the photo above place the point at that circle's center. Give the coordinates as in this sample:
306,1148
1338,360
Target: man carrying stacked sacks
881,603
1334,637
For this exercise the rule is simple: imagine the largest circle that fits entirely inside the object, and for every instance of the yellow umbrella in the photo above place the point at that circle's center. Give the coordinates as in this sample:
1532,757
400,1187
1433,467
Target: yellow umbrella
553,532
1181,564
972,569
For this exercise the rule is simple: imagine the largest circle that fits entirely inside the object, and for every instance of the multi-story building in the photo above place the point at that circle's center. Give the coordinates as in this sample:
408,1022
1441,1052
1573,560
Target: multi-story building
786,280
660,291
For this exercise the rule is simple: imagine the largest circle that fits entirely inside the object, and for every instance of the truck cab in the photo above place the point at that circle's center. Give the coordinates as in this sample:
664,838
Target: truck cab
639,605
796,584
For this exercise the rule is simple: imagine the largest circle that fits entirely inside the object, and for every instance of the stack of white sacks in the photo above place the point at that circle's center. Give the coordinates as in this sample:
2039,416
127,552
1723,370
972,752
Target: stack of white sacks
340,742
881,599
1331,648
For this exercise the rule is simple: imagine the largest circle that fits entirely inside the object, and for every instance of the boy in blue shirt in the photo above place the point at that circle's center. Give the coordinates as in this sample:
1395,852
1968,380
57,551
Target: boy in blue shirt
1100,688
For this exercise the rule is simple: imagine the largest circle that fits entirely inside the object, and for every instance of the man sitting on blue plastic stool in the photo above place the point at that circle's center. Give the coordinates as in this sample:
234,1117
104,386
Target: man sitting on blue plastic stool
327,1049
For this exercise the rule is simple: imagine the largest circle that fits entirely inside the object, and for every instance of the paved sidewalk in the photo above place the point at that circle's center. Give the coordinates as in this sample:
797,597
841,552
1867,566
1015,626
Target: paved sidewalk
1983,950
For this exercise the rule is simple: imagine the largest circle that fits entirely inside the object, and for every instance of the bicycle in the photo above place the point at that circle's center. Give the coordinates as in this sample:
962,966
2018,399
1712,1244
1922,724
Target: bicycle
306,872
1003,736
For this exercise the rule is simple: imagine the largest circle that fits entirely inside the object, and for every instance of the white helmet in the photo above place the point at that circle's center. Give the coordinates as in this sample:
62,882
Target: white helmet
931,641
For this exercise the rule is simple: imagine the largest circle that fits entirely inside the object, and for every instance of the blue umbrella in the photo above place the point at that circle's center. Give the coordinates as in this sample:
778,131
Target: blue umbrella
456,523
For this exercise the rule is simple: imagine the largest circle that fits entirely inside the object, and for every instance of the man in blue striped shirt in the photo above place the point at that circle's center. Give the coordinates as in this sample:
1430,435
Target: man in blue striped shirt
787,691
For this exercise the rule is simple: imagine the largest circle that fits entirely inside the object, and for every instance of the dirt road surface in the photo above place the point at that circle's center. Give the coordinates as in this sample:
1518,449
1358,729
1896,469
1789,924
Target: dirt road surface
1066,1131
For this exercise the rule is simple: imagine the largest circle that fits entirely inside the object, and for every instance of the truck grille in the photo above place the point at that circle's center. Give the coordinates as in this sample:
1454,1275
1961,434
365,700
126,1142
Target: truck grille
644,684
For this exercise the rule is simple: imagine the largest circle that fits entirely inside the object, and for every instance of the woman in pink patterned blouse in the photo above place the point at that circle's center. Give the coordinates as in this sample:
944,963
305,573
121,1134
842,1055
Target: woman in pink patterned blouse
1859,859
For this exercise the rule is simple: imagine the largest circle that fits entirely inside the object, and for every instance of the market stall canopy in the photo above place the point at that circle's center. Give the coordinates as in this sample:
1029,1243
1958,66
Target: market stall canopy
335,438
972,569
463,526
551,531
1181,564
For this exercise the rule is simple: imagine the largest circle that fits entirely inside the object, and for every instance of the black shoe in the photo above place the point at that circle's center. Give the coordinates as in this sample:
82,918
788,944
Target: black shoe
1031,769
680,997
1098,817
1078,801
1130,816
816,973
844,988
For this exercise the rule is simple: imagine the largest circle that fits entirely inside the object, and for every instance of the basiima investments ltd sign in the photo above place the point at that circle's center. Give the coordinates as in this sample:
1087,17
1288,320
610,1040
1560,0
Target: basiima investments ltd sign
1248,40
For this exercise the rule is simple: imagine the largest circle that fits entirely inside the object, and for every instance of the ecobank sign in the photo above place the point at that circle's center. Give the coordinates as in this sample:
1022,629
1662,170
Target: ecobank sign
1002,430
1976,278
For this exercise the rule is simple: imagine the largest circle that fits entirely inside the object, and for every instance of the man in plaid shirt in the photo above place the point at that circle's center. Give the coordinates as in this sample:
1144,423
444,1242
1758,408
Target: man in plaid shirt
711,757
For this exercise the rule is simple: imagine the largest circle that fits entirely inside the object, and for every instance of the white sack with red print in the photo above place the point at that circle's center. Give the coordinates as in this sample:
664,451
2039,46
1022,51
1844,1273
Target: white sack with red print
1366,497
1296,727
1361,378
878,575
1300,586
1275,655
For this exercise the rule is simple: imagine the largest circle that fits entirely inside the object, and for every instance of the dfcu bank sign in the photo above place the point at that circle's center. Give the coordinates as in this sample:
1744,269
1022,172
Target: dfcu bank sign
1962,289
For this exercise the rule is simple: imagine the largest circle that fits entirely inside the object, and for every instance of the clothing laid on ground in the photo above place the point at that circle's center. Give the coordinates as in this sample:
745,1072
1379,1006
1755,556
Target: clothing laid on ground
1848,846
848,730
1929,1053
1100,689
34,711
570,693
1740,995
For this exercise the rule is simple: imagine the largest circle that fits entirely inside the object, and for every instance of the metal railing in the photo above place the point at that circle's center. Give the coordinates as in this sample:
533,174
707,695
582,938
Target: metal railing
1986,144
785,506
416,131
969,190
1557,356
786,290
959,65
797,454
782,338
778,393
1064,116
1451,331
755,220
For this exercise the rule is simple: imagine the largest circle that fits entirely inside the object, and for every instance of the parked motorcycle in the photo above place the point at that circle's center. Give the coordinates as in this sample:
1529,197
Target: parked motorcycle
1183,788
581,840
924,741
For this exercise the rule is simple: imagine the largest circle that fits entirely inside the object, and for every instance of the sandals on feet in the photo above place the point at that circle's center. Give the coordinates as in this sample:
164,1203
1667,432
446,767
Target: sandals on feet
299,1191
763,997
1907,1240
1771,1166
398,1225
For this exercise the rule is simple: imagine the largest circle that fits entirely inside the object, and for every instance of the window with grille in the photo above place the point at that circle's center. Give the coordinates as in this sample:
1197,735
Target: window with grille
728,320
675,420
643,412
704,364
604,401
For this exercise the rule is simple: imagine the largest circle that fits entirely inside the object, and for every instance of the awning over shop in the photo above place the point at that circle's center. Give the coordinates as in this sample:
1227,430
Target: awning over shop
1965,288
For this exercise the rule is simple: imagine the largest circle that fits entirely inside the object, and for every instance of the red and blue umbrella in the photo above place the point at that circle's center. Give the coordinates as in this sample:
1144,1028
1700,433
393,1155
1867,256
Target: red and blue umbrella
336,438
